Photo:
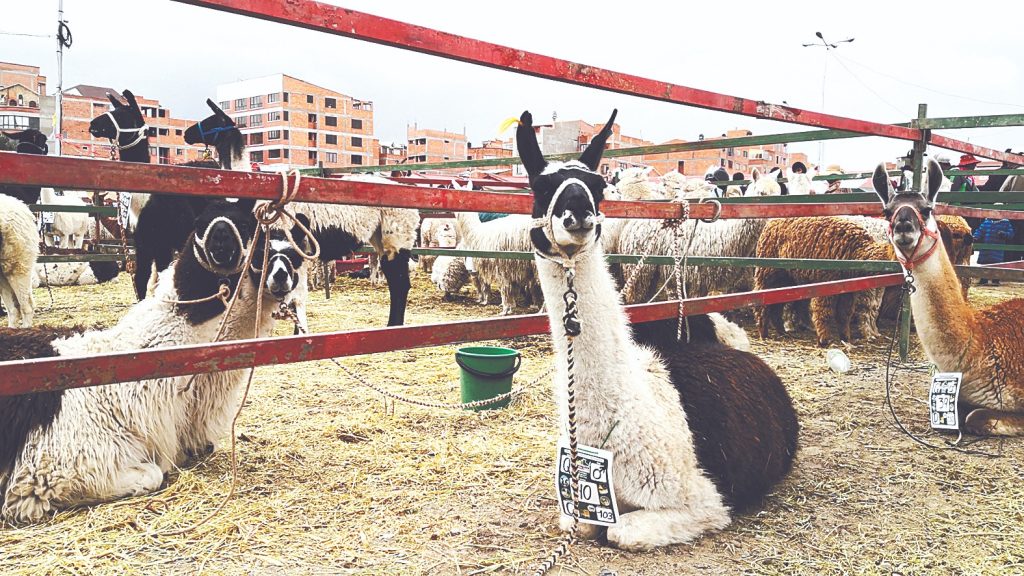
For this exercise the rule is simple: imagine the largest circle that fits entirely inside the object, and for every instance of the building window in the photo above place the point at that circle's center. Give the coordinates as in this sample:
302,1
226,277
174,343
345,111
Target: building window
357,142
274,154
330,103
285,96
312,137
256,156
357,124
331,157
309,99
357,159
730,164
285,115
240,104
152,150
311,118
274,135
331,120
225,105
256,138
722,162
681,166
177,132
163,131
286,153
179,152
241,121
151,132
731,151
256,120
256,102
271,98
285,135
273,116
312,155
331,139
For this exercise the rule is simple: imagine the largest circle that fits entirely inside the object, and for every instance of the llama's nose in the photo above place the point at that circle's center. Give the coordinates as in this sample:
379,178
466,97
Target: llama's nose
903,226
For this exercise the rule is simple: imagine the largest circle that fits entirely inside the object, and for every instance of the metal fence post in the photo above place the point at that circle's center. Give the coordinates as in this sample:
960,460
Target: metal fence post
918,167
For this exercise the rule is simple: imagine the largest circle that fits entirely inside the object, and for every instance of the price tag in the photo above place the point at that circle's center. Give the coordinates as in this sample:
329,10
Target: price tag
942,400
596,499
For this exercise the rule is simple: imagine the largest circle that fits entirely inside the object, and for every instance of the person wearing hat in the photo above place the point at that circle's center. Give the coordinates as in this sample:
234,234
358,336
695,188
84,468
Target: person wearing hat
717,174
834,186
799,168
965,183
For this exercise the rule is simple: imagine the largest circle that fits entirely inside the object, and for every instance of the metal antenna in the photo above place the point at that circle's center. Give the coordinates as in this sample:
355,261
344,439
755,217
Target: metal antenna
822,43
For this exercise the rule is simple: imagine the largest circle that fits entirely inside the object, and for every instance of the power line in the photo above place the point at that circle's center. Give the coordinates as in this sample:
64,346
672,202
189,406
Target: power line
2,33
864,84
926,88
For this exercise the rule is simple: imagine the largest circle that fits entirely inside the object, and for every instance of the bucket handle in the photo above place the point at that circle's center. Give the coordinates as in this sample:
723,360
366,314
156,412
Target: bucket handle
475,372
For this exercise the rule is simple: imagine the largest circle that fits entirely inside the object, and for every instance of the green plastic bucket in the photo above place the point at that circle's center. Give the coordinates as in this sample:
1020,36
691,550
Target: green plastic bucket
487,372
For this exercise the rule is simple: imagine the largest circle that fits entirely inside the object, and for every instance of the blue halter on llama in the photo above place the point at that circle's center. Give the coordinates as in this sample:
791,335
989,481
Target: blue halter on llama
697,428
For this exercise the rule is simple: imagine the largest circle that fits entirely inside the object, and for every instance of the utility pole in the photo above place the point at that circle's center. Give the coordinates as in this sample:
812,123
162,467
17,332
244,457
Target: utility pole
822,43
63,40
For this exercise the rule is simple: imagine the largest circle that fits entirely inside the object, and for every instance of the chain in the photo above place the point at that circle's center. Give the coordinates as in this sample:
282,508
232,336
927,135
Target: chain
572,327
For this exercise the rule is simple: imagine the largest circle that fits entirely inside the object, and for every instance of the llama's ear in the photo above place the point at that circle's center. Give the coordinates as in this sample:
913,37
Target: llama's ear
247,204
529,150
755,175
881,184
219,113
592,155
130,98
297,234
113,100
934,180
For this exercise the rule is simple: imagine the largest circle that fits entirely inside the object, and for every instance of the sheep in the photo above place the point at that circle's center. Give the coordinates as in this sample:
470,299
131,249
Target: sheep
695,427
19,250
449,275
436,233
984,345
95,444
510,233
736,237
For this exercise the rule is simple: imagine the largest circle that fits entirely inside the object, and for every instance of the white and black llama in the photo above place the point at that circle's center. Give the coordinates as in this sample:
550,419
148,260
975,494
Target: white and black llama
340,229
90,445
29,141
696,427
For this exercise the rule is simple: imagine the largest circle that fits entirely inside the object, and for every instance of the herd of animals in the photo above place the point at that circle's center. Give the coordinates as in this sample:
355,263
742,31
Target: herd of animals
701,428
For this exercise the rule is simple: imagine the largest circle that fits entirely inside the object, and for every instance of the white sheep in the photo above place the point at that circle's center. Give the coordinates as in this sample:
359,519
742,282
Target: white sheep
449,275
19,250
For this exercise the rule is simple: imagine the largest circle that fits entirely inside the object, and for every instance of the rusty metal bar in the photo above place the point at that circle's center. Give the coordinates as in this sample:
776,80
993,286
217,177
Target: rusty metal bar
27,376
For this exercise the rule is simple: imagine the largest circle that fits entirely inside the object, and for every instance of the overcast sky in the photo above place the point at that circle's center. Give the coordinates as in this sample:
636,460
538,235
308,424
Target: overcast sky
970,61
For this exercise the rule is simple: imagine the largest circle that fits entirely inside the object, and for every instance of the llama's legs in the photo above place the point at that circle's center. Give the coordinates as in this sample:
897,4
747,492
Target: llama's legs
823,314
644,530
16,293
143,478
396,271
844,315
583,531
508,298
985,422
143,264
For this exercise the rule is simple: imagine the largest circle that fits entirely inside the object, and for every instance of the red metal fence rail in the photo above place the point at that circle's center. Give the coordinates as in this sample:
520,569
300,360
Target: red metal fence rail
362,26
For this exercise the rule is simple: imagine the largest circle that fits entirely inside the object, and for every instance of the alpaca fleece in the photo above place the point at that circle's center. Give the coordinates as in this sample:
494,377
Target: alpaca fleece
19,250
449,275
511,233
436,233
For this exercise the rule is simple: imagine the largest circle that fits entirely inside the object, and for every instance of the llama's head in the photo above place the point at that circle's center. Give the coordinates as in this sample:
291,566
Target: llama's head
124,124
766,184
912,227
566,196
283,259
217,130
30,141
223,231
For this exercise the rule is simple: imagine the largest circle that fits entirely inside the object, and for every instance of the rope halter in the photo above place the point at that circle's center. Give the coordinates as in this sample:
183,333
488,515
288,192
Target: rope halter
140,133
545,223
911,261
205,259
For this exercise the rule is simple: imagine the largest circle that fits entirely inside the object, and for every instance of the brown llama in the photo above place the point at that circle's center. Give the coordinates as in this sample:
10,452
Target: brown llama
986,345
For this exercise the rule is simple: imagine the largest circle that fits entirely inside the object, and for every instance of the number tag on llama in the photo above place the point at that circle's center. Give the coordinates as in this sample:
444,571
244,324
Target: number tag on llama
597,497
942,400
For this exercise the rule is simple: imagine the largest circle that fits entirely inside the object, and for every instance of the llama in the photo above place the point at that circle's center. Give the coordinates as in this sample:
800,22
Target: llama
65,229
695,427
338,229
74,273
449,275
511,233
19,250
436,233
29,141
90,445
736,237
983,344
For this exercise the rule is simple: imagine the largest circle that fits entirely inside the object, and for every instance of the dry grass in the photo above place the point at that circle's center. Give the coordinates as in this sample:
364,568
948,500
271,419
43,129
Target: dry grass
334,480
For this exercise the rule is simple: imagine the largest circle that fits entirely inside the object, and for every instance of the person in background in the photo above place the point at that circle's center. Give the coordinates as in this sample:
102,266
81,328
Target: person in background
740,176
993,232
963,182
834,186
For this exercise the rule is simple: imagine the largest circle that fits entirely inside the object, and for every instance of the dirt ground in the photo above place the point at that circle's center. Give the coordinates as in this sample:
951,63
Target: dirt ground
332,479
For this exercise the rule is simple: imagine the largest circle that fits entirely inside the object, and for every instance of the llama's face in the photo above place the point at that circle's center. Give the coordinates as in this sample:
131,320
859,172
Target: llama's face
283,260
210,130
566,196
222,233
30,142
909,213
766,184
128,117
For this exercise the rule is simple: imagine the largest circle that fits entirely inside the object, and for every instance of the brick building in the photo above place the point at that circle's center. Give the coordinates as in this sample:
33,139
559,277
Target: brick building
23,100
291,123
390,154
429,145
732,159
491,149
82,103
573,136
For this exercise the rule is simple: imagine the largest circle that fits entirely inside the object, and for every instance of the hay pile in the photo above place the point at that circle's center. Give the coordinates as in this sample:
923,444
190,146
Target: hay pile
335,480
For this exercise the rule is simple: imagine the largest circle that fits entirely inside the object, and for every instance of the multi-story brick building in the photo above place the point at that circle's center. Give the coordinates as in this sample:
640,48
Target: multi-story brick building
23,100
491,149
82,103
390,154
290,122
732,159
429,145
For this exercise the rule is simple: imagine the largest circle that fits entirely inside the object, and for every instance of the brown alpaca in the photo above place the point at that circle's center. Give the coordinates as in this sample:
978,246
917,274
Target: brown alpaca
986,345
832,238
